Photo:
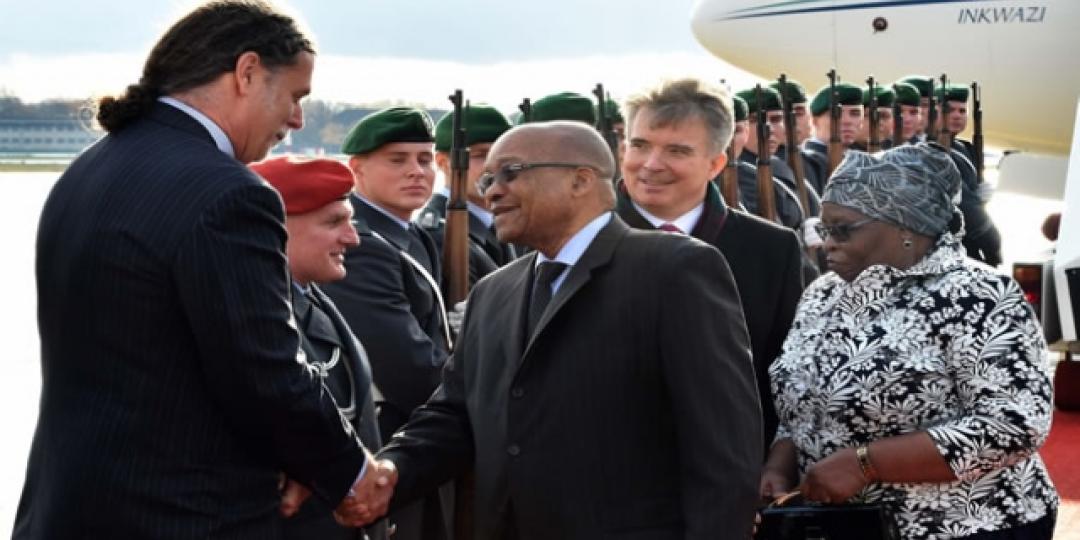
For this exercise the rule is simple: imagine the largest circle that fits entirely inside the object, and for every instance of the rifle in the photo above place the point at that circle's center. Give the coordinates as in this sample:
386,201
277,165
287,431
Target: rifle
603,125
456,266
898,120
766,195
794,159
836,148
874,144
456,239
931,115
977,138
526,110
944,135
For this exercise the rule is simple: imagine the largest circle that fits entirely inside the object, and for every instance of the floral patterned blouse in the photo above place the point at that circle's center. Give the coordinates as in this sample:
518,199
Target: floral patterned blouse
946,346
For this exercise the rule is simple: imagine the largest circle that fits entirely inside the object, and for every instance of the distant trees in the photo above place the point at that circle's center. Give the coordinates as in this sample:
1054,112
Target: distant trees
325,123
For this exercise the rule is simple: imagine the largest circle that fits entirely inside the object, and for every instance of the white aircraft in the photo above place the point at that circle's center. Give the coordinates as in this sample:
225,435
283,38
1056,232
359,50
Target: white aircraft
1020,52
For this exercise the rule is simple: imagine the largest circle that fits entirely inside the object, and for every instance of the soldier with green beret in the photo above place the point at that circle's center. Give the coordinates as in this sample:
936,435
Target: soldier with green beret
774,116
391,297
955,98
483,124
795,94
908,98
885,99
564,106
924,84
787,203
849,98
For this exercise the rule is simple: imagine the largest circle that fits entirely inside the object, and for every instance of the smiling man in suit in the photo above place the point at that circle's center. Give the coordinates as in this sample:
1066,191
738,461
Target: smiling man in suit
601,386
677,133
173,395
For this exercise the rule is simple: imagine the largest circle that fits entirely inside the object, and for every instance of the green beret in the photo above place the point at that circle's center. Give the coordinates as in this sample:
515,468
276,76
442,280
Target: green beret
564,106
770,97
742,110
921,83
954,92
885,96
614,113
846,93
483,124
396,124
793,92
907,94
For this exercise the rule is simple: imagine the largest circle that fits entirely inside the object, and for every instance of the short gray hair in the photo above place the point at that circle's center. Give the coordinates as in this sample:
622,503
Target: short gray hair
673,101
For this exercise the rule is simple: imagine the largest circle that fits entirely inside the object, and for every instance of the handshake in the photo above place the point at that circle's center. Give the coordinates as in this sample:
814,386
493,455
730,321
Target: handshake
367,501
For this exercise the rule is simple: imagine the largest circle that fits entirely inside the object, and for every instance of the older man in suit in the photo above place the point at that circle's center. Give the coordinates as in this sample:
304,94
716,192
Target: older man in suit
677,134
173,392
602,385
318,218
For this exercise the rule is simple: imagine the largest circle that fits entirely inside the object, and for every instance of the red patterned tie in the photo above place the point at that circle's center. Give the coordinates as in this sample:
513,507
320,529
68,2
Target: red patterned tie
668,227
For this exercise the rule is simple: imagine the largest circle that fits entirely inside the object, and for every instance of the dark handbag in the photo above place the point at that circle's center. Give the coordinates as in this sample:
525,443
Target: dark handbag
801,521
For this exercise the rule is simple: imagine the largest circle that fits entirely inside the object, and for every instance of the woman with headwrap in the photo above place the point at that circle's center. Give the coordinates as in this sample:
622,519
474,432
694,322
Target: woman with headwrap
912,376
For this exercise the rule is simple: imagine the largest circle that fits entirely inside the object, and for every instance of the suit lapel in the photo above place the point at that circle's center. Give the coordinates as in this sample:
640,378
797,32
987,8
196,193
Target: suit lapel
713,217
597,255
520,287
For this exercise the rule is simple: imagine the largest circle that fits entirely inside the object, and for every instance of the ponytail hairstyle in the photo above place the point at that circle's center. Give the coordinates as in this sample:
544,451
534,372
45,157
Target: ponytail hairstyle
200,47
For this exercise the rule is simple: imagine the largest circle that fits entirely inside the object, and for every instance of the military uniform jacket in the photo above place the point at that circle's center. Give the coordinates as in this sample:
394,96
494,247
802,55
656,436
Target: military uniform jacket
631,413
765,260
816,155
322,331
394,311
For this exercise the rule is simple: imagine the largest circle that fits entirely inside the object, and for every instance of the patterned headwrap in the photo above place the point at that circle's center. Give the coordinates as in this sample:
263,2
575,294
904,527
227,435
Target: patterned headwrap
911,186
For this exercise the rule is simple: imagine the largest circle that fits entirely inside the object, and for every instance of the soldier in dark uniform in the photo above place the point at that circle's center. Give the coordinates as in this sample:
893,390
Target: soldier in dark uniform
564,106
956,96
787,203
483,124
923,84
851,118
885,99
774,116
391,297
907,96
319,223
795,93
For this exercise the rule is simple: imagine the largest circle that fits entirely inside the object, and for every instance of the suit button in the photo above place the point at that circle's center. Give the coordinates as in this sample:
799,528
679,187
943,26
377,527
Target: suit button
513,450
517,393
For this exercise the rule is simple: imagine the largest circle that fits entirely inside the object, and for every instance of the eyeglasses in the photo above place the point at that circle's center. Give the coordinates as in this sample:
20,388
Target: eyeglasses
841,232
509,172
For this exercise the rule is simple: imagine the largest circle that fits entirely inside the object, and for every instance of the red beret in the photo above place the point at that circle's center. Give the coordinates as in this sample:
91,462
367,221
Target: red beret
306,184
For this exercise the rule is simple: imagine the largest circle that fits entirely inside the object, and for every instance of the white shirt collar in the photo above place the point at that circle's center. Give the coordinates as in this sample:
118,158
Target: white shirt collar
403,222
685,222
220,138
574,248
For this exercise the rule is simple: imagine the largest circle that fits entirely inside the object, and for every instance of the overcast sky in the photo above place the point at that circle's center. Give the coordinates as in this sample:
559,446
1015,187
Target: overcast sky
411,50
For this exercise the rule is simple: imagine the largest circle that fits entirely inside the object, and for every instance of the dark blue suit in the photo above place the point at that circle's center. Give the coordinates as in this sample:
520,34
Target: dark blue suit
172,393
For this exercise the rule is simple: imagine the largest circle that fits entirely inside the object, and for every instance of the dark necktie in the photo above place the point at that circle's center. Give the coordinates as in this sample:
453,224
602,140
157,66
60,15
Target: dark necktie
546,273
668,227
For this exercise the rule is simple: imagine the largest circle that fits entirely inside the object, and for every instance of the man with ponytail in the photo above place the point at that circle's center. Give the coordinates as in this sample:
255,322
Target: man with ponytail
174,401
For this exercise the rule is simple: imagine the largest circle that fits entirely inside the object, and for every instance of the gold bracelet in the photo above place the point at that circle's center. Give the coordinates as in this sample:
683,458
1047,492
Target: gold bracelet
867,468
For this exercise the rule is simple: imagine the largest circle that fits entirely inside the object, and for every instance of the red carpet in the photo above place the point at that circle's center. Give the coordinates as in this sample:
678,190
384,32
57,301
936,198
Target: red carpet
1062,456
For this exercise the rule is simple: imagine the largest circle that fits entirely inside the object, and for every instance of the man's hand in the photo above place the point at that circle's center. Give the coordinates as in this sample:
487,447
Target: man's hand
834,479
369,498
293,495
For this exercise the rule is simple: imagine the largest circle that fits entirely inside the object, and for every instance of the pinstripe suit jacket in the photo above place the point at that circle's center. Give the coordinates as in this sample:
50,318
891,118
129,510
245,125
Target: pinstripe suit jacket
172,393
630,413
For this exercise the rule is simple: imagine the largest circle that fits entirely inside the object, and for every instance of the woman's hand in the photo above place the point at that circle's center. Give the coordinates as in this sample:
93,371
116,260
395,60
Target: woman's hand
773,484
834,479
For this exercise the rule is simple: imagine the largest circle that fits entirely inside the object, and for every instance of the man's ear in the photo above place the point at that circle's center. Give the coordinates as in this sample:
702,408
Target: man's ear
356,165
717,163
248,67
